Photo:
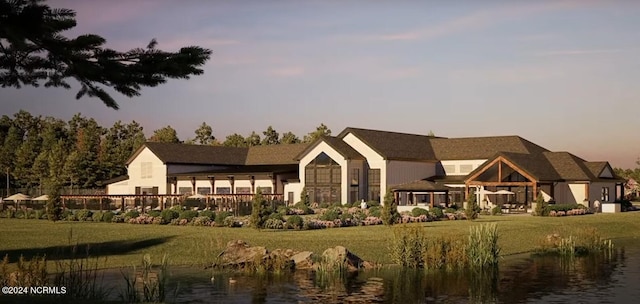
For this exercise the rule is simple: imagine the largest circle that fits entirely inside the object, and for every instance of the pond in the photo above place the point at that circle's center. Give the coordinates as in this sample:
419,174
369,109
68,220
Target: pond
602,278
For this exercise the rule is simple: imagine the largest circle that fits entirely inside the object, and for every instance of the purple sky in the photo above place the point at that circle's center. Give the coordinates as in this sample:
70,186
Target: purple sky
563,74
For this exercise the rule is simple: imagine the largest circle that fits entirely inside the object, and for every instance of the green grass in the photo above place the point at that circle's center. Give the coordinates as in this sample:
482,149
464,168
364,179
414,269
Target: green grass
125,244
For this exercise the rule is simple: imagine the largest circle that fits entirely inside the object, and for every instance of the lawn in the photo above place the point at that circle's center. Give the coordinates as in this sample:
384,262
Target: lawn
125,244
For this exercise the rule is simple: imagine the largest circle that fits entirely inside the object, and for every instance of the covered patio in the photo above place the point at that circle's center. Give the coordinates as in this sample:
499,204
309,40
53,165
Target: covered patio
421,193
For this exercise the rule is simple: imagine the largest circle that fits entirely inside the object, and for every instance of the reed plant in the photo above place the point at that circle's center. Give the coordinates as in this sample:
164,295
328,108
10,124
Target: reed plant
148,285
482,246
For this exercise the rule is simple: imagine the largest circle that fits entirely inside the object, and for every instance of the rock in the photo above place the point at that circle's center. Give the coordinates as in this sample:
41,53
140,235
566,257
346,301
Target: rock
303,260
239,254
341,257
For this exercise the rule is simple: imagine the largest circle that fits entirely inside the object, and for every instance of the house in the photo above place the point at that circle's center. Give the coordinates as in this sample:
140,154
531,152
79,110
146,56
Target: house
363,164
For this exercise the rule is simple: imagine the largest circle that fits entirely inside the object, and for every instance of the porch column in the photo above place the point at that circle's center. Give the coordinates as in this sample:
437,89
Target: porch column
193,185
174,181
466,192
252,180
586,192
212,181
396,196
553,191
274,182
231,181
535,191
431,196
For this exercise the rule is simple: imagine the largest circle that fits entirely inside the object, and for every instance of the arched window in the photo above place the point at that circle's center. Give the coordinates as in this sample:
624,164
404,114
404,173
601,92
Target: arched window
323,180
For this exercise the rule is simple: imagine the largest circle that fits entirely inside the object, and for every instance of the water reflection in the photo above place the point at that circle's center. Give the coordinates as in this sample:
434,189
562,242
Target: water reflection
599,278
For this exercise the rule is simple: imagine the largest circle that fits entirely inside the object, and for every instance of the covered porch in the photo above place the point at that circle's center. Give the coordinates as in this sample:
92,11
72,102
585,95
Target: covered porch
421,193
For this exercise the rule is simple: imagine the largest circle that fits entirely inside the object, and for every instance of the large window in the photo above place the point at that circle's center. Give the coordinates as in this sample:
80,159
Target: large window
323,180
185,190
243,190
223,190
605,194
374,184
264,190
146,170
204,190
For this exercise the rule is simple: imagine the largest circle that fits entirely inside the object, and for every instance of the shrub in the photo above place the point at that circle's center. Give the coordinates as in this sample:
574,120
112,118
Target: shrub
273,223
295,222
230,221
132,214
153,213
259,211
541,206
19,214
496,210
437,212
83,215
188,214
168,215
374,211
276,215
97,216
71,217
177,208
305,208
40,214
472,210
390,213
450,210
419,211
107,216
373,203
220,217
118,218
331,214
625,205
208,213
323,205
201,221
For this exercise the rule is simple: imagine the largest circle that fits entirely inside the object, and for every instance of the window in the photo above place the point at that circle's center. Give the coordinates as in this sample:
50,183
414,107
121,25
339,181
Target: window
355,177
184,190
323,180
243,190
374,185
605,194
145,170
264,190
448,169
466,168
204,190
223,190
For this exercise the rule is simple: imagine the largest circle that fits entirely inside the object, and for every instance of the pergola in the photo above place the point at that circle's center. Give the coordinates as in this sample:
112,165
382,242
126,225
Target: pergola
421,186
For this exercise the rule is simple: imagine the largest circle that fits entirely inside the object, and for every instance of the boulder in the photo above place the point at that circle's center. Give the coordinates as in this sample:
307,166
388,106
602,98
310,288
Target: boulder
341,257
239,254
302,260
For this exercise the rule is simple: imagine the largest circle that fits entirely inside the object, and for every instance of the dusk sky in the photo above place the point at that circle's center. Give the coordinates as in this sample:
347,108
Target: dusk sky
563,74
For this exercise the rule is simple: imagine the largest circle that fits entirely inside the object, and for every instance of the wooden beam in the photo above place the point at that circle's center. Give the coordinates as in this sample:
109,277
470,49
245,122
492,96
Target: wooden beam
586,191
431,198
485,168
535,191
499,171
506,184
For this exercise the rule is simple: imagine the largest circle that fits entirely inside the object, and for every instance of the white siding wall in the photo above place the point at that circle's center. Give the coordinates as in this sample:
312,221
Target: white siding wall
576,193
337,157
456,165
375,160
118,188
296,188
158,173
399,172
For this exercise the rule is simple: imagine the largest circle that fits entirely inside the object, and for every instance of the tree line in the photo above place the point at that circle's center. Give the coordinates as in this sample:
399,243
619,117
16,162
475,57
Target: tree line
38,152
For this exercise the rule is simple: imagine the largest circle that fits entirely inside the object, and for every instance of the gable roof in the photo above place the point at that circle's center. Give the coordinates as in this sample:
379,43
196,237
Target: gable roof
394,145
549,166
335,143
481,147
283,154
177,153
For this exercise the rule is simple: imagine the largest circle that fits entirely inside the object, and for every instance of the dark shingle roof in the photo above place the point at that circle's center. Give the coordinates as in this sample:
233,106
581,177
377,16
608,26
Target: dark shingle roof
197,154
548,166
176,153
481,147
394,145
337,144
596,167
274,154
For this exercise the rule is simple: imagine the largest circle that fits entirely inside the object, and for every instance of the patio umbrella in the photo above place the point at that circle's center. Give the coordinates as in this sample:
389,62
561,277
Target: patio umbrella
41,198
503,192
17,198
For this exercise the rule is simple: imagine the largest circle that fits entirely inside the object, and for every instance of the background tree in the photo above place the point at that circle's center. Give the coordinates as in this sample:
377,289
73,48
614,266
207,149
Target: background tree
259,211
204,134
289,138
389,214
34,51
253,139
271,137
235,140
321,130
166,134
118,144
